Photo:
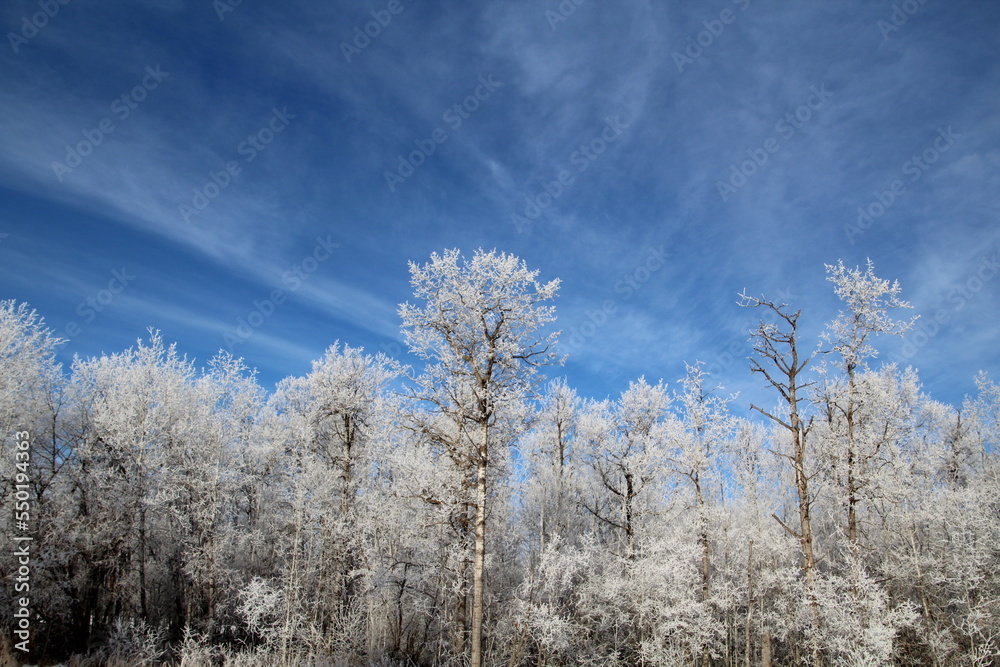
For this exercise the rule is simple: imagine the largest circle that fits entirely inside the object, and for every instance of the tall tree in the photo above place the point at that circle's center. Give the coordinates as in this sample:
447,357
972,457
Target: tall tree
777,358
548,453
338,408
868,299
698,440
479,332
135,411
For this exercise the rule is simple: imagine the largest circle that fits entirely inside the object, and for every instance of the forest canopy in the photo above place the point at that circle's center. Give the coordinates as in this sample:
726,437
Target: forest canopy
471,510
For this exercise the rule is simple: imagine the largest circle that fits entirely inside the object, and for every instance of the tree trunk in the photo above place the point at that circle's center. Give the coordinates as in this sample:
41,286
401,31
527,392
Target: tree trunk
748,649
801,481
788,364
142,565
461,604
476,657
765,649
346,555
706,658
629,527
805,516
852,486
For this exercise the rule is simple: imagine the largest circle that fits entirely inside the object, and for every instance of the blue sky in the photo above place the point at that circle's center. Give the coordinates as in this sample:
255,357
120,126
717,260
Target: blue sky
184,164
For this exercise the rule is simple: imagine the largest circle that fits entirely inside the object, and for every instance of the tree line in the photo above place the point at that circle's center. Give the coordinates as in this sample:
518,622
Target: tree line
469,512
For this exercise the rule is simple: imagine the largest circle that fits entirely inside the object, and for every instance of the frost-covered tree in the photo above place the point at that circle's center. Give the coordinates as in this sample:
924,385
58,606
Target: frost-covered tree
136,425
983,422
31,399
550,459
331,428
626,441
778,359
698,446
479,330
28,369
339,410
552,524
202,485
699,439
850,335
